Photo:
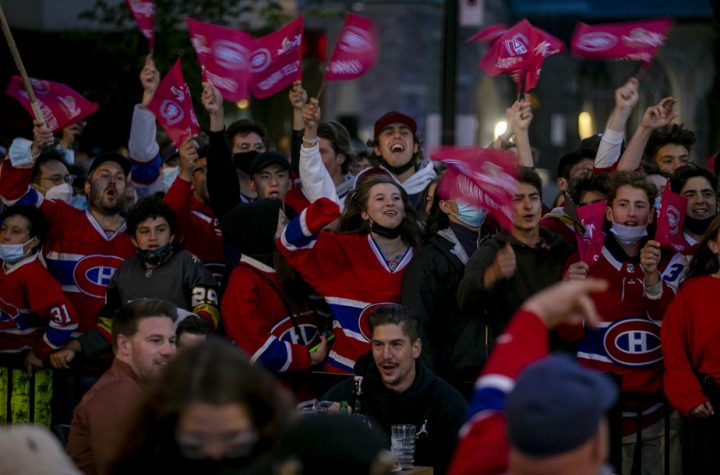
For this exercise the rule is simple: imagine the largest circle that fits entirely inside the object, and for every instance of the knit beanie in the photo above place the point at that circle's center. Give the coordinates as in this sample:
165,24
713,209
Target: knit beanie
251,227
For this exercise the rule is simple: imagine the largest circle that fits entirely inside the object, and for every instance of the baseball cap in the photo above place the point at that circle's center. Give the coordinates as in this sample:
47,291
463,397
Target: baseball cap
556,406
266,159
110,157
394,117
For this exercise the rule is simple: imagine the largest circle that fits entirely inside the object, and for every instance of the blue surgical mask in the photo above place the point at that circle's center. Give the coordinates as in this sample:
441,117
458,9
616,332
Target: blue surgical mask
12,253
470,215
169,175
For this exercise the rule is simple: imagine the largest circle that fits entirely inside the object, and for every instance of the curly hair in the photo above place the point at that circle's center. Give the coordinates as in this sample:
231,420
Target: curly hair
671,134
150,207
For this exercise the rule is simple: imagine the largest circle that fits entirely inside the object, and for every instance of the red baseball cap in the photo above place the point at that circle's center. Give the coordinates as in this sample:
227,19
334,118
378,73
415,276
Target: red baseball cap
394,117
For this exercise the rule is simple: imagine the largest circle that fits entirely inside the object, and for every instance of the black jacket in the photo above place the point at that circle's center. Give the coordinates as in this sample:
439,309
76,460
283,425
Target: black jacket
435,408
537,268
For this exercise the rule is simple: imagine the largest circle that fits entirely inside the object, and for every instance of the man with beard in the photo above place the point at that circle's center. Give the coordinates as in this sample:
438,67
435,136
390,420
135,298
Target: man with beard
699,186
143,340
83,249
392,387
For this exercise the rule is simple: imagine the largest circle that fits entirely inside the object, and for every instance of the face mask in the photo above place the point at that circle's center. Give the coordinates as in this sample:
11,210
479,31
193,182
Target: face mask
628,235
697,226
469,215
169,175
12,252
390,233
156,256
62,192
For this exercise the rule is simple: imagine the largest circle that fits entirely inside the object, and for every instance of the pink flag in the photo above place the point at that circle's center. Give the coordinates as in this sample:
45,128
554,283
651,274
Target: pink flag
634,40
590,244
520,51
173,108
224,56
143,11
355,51
489,34
277,60
669,231
61,105
481,177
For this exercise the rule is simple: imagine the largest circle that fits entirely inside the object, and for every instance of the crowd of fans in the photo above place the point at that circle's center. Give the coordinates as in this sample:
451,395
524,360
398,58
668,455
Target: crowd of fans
264,272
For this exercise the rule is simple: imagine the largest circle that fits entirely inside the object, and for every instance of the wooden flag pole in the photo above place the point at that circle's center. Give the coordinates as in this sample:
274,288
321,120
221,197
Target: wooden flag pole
21,68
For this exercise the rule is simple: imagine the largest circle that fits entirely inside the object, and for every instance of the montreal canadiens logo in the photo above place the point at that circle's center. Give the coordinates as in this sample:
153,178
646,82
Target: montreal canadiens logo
260,60
230,55
633,342
364,323
596,41
93,273
355,40
40,86
305,332
8,310
673,215
517,45
171,112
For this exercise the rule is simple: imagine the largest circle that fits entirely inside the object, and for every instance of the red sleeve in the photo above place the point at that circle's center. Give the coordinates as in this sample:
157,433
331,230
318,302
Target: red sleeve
179,198
682,387
13,181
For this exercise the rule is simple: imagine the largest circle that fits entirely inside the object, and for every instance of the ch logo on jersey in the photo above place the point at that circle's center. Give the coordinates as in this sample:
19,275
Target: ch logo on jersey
8,311
93,273
364,323
633,342
305,332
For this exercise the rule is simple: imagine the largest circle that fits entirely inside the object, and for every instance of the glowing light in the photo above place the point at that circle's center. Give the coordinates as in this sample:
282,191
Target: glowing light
499,129
242,104
586,128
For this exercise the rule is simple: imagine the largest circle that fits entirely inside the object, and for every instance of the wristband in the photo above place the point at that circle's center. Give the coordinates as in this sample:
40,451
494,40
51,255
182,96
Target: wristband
311,142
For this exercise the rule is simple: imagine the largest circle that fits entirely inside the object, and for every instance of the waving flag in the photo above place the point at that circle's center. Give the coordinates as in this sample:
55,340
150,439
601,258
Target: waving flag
669,231
355,52
61,105
591,242
172,106
224,56
143,11
520,51
489,34
634,40
481,177
277,60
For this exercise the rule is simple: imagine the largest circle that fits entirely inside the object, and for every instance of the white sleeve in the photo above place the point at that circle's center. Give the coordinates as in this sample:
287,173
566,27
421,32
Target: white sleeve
609,149
316,181
142,145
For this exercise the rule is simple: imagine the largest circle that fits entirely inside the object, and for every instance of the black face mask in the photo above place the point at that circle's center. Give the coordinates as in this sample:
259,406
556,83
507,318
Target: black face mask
401,169
157,256
697,226
390,233
243,160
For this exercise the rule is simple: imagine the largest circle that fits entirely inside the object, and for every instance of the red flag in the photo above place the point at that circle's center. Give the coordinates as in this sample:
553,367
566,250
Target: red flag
61,105
224,56
355,51
521,51
173,108
489,34
590,244
634,40
143,11
481,177
669,231
277,60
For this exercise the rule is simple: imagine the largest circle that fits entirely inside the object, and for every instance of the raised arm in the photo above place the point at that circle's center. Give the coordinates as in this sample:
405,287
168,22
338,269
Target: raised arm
626,98
654,117
316,180
298,98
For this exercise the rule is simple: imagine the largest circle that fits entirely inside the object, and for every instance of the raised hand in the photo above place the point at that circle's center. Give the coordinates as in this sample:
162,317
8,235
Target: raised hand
150,79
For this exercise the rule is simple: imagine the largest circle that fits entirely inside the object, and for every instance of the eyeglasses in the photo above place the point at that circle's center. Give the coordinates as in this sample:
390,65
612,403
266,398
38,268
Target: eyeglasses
258,147
59,179
235,444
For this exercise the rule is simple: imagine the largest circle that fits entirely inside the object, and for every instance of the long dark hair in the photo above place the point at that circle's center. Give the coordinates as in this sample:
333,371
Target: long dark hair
356,203
705,261
214,372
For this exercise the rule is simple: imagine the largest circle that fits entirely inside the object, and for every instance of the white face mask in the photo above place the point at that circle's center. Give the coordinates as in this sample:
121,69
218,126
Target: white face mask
62,192
12,253
628,235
